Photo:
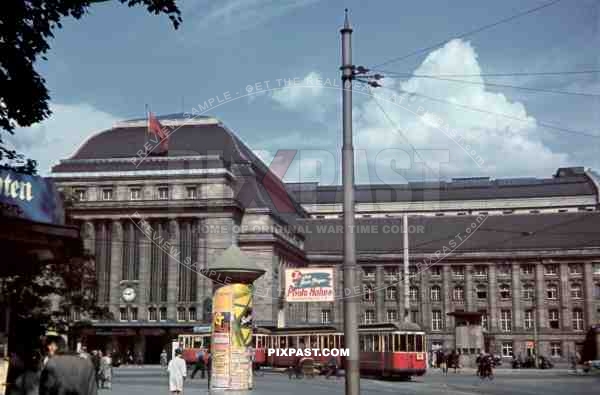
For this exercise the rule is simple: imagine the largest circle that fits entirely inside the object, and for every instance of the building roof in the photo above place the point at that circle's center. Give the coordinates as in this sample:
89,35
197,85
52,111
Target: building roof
201,142
564,183
427,235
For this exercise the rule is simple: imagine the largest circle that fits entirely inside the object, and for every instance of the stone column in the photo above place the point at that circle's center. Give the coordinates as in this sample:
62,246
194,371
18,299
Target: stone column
589,296
493,297
517,312
203,286
144,277
174,268
446,294
425,301
565,298
116,255
539,310
469,290
380,294
88,235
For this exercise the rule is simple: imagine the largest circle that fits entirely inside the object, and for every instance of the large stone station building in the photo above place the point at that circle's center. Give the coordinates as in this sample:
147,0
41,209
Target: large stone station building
518,252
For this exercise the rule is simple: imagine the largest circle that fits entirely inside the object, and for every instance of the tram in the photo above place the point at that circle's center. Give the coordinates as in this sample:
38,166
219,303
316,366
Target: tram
386,349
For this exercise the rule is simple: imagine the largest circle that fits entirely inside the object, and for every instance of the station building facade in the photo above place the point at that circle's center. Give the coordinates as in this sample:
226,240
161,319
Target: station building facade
518,252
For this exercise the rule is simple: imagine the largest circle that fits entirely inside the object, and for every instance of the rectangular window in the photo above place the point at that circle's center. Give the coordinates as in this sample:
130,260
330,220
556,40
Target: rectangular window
575,269
369,272
553,319
458,271
550,270
390,293
577,320
163,314
436,320
123,314
527,270
552,291
133,313
192,313
181,316
480,271
528,319
107,194
436,271
504,270
369,317
81,194
392,315
163,193
576,292
555,349
152,314
414,316
192,193
506,320
135,194
507,349
325,316
596,268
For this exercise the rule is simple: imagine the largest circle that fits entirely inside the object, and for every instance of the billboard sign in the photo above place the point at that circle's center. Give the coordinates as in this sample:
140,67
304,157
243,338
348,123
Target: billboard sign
309,285
30,197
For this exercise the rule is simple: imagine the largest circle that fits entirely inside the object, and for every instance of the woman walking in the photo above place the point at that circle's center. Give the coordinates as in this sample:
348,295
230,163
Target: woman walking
106,371
177,373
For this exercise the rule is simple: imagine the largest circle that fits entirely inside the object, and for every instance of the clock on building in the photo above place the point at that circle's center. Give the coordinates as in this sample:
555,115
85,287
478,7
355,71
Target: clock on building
129,294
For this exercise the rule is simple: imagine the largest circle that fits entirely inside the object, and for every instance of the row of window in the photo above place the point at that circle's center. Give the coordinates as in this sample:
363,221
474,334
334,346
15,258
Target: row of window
470,212
480,271
158,314
437,321
481,292
555,349
135,193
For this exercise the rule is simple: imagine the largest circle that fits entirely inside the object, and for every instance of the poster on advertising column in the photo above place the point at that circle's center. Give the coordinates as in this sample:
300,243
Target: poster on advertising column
309,285
222,304
241,337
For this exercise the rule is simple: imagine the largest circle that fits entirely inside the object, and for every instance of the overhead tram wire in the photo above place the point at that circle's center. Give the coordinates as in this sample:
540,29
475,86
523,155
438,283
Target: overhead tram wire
545,125
535,90
469,33
507,74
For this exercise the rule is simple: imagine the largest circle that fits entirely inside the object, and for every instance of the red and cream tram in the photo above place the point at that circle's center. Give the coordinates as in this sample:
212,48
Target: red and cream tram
387,349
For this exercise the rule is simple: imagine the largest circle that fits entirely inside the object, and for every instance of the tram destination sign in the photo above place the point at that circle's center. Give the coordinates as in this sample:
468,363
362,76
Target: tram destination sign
309,285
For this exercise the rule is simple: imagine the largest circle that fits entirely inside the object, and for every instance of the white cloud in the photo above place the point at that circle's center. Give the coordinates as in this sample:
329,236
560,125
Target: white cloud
311,95
59,136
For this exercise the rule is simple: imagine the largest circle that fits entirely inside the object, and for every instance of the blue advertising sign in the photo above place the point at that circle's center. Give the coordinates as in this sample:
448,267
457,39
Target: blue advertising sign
30,197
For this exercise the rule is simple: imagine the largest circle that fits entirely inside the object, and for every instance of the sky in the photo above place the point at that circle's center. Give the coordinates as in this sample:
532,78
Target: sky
107,66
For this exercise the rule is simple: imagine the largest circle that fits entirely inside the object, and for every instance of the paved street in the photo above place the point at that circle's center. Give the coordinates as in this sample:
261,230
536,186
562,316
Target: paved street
151,380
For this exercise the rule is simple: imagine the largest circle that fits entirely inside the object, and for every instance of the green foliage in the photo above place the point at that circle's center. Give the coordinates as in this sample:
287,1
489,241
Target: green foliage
26,26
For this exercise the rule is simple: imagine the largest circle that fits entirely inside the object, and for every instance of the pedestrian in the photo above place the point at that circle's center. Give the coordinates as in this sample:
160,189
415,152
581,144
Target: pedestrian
444,364
200,365
332,367
106,371
28,382
164,359
177,373
68,375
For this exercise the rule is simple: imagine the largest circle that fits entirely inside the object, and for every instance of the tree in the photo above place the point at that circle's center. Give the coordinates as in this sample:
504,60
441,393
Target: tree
26,26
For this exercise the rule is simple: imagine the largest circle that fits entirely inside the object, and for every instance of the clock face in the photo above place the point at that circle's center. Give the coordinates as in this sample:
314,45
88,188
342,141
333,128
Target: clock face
128,294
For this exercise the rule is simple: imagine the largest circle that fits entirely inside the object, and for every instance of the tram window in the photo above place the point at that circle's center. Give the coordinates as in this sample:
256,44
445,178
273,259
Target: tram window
403,342
361,343
387,343
255,341
376,343
325,341
411,343
369,343
283,342
292,340
419,339
206,343
314,342
341,343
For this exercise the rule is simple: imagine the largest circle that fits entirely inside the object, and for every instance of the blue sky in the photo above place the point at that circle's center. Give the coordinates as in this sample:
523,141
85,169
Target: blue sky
108,65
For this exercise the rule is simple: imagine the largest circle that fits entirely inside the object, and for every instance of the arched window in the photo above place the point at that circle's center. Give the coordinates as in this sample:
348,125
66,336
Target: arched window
436,293
414,294
458,293
181,314
481,291
504,291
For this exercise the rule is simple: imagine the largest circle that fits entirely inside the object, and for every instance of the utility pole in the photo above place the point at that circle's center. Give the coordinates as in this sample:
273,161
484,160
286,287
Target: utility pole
352,368
406,271
535,334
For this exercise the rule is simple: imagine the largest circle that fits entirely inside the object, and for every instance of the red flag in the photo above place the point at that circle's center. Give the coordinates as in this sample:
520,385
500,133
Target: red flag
157,129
